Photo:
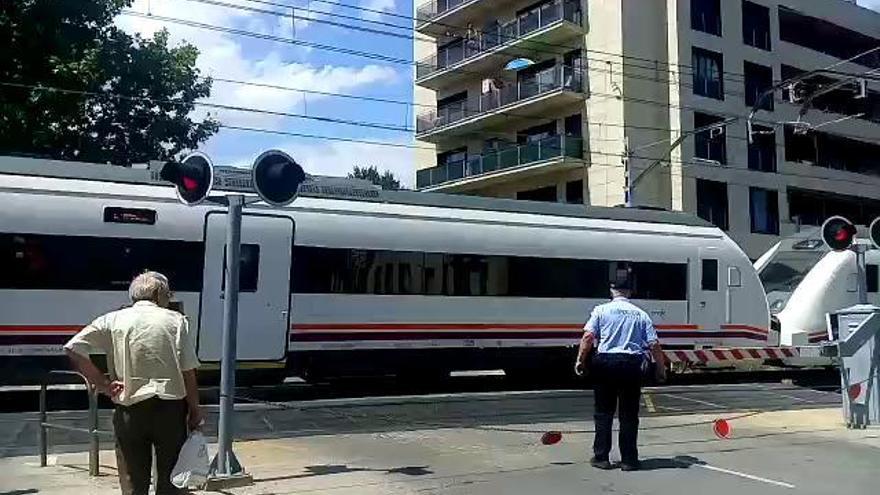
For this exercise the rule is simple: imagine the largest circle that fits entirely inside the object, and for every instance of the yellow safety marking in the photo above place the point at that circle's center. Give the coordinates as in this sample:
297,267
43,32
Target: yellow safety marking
649,403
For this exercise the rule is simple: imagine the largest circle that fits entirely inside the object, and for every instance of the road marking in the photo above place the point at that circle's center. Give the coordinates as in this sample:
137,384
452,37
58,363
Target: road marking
794,398
691,399
649,403
745,475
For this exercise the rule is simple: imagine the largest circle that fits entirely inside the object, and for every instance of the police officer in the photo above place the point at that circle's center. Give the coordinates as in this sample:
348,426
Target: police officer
622,334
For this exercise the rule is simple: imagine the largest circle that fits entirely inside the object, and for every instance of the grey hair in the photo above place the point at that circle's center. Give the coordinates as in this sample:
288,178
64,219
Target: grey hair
149,286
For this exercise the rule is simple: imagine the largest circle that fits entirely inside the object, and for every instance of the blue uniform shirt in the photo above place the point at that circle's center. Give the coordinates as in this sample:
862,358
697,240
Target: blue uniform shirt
621,327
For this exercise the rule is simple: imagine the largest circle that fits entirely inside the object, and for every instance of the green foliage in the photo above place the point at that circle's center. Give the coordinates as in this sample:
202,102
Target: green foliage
104,95
386,180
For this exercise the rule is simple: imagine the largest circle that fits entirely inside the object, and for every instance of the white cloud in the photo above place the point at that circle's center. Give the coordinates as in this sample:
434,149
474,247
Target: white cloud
337,158
382,5
223,55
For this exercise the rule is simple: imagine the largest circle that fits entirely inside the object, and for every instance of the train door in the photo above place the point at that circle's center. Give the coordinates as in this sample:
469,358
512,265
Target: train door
706,302
264,288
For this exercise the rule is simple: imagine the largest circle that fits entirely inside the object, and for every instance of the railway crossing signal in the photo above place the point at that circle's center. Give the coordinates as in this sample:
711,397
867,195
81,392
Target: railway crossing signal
838,233
193,176
874,232
277,177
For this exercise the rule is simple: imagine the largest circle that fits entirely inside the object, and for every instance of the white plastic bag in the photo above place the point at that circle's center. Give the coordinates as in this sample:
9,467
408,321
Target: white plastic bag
191,469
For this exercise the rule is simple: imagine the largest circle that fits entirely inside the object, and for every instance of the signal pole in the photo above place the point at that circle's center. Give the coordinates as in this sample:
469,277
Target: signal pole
225,464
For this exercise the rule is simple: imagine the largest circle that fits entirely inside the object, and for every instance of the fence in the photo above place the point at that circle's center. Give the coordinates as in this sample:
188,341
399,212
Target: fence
556,78
92,429
472,44
543,149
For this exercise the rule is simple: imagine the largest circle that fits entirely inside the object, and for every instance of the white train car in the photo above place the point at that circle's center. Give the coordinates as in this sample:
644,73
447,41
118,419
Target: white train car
393,282
804,280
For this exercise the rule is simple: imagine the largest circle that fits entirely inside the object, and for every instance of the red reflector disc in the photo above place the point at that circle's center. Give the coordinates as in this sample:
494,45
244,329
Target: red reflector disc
855,391
551,438
721,428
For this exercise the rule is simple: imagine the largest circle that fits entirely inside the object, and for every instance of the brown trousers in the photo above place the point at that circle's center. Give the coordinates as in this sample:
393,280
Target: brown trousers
153,423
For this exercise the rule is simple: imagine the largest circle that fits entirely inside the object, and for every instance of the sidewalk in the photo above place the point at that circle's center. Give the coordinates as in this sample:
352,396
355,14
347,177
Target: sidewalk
804,450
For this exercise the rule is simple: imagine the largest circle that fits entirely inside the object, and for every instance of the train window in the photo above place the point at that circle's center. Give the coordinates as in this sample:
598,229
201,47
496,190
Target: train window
466,275
872,272
56,262
710,275
317,270
248,268
659,281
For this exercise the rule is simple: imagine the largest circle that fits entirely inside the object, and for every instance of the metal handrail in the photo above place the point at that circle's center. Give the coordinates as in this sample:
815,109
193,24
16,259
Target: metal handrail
534,152
92,430
557,78
469,45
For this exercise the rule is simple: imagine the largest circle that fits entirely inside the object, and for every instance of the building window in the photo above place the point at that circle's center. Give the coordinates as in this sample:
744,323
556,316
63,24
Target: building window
712,202
547,194
826,37
574,192
764,209
806,207
454,162
762,149
758,79
706,16
800,147
756,25
710,144
831,151
708,70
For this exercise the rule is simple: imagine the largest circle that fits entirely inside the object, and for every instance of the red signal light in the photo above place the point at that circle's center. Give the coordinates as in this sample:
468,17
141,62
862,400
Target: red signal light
193,176
838,233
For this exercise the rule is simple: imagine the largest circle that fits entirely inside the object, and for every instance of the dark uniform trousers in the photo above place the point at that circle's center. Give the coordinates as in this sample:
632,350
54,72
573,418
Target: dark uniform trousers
618,381
152,423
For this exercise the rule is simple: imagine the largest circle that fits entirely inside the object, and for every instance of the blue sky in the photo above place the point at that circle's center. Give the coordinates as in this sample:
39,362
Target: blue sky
241,58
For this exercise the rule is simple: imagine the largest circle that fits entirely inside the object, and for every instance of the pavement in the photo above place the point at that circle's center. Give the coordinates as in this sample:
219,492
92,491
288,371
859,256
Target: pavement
784,439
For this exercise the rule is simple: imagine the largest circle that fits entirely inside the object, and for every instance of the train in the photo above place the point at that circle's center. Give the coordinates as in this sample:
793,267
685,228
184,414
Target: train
805,280
353,280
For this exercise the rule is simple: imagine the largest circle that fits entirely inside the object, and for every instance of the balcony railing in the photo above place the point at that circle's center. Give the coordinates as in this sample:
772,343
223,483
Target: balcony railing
436,8
557,78
537,151
474,44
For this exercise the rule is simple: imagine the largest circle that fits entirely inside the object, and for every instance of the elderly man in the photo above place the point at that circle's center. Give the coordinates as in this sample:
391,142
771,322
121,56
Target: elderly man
622,333
151,360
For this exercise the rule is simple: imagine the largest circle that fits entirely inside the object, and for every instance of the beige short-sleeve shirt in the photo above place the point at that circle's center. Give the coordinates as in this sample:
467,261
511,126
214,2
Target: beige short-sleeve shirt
147,349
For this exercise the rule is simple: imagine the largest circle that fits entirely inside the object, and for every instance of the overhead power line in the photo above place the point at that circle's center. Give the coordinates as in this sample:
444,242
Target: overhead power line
728,76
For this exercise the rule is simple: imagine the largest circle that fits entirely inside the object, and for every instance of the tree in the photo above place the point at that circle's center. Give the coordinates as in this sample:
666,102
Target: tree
74,86
386,180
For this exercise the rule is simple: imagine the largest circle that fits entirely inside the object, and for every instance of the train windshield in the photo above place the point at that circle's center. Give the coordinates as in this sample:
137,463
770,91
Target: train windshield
784,272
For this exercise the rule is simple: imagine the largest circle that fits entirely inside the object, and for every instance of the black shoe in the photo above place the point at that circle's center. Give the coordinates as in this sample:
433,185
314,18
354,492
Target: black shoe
601,464
630,466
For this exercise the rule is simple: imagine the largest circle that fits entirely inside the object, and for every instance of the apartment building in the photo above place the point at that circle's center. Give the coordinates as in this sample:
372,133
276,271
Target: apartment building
596,102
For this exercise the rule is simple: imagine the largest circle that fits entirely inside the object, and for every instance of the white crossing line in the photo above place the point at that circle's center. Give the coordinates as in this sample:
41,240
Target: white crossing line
691,399
745,475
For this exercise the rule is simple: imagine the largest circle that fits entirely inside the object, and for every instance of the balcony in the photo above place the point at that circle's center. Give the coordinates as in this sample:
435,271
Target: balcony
502,165
436,16
541,95
542,29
